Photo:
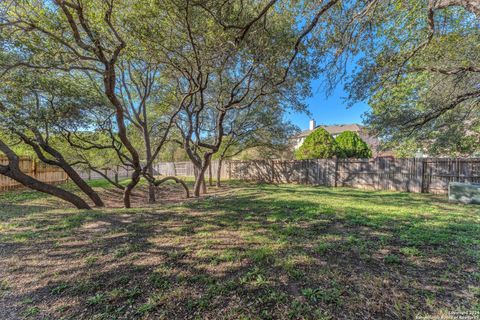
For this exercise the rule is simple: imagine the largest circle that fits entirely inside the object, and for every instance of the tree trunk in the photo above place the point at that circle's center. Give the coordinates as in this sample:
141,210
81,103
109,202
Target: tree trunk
199,181
128,189
72,174
184,185
109,80
151,193
195,171
201,168
12,170
200,186
210,174
219,172
60,161
148,154
204,185
37,185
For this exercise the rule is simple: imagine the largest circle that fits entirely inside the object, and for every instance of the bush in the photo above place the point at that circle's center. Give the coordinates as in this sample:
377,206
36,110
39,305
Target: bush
318,145
352,146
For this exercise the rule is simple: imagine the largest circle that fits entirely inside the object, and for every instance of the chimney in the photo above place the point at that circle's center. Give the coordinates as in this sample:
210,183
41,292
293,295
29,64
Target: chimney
312,125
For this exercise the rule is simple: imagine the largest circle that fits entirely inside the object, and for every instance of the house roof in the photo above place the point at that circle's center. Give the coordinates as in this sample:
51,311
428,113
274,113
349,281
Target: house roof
334,129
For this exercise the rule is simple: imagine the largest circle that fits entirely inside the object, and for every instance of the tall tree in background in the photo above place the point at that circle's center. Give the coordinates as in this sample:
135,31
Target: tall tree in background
420,74
147,109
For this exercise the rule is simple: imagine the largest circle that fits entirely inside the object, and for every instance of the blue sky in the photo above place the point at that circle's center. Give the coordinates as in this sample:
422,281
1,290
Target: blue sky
329,110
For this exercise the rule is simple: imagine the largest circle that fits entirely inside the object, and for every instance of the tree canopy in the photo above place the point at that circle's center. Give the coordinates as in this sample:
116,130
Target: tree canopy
157,74
419,72
92,82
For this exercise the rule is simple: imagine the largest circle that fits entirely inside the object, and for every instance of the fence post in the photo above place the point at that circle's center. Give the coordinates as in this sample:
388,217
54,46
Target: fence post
424,170
318,175
229,170
458,170
34,168
307,165
336,172
272,169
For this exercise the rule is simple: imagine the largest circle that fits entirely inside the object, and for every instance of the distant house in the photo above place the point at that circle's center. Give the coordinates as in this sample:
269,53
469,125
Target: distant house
336,129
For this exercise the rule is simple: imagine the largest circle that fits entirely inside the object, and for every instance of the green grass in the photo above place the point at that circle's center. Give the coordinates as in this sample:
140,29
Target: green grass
253,252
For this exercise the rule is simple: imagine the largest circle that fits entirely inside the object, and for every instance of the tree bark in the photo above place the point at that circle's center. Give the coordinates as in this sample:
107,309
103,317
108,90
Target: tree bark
210,174
201,168
26,180
199,180
109,86
12,170
75,177
199,186
127,203
204,185
59,162
148,154
159,182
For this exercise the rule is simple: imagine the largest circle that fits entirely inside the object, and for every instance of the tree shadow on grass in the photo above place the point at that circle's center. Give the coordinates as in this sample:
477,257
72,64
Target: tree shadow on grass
241,255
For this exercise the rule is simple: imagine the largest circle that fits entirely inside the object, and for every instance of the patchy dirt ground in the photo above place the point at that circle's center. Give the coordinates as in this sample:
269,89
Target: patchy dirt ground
243,252
166,194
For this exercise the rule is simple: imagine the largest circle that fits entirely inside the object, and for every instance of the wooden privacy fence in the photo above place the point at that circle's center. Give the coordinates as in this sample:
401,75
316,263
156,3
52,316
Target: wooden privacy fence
413,175
430,175
35,169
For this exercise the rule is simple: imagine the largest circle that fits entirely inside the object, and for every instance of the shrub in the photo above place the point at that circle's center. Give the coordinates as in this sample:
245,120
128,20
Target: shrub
352,146
318,145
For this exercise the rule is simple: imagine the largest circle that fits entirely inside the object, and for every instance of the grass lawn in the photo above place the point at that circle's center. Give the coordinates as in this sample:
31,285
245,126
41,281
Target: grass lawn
247,252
